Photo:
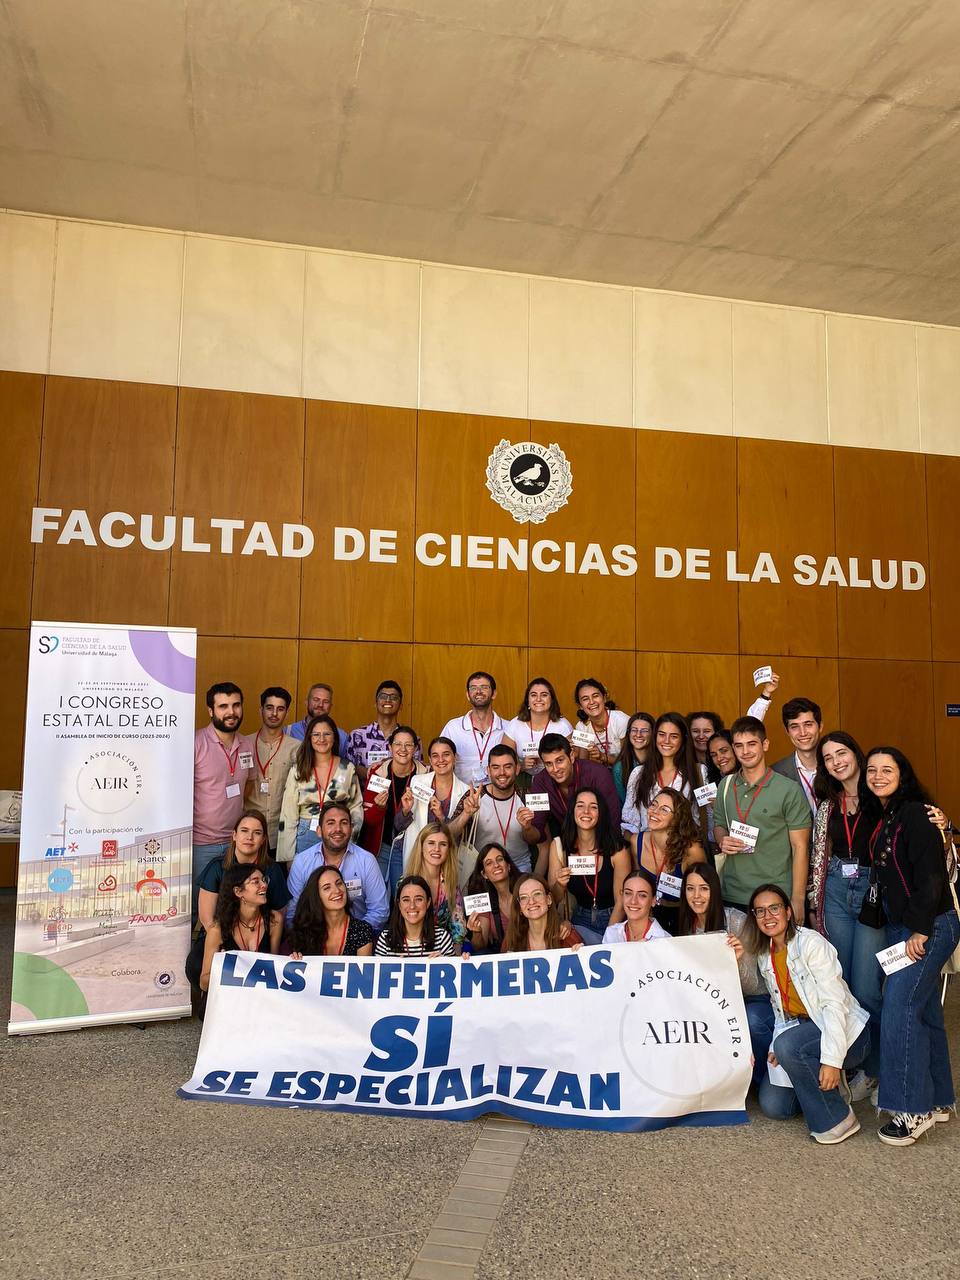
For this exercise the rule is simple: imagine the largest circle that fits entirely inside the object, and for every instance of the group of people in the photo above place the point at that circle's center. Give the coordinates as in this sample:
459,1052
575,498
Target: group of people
539,832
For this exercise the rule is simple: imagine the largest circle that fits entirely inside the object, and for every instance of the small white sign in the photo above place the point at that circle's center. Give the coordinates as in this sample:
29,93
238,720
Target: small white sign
762,675
377,755
378,782
354,889
422,788
582,864
748,834
668,886
706,794
894,958
537,802
582,737
849,869
233,790
246,759
530,748
264,788
473,903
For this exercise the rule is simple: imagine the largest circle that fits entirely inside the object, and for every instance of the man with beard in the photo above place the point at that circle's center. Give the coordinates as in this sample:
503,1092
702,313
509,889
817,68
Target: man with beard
476,733
223,764
367,894
274,752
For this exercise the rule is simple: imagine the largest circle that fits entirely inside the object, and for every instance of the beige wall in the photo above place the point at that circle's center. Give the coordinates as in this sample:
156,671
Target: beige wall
101,301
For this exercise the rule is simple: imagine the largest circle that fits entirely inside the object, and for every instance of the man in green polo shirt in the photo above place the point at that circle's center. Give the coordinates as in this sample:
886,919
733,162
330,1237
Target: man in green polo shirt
762,824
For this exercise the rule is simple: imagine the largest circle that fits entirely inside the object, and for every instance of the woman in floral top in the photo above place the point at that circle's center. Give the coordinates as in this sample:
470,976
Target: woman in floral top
318,774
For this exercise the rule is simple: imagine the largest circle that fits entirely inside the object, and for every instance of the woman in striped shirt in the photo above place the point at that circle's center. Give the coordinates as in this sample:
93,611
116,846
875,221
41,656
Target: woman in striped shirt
412,929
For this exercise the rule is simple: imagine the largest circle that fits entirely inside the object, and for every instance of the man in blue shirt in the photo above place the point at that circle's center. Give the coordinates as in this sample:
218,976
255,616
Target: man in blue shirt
319,703
365,888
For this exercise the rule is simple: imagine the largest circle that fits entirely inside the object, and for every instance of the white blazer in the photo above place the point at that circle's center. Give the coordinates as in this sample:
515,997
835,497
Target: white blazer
420,813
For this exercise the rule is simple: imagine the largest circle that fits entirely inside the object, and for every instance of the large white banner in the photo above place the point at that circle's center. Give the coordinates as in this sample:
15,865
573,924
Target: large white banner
103,896
636,1036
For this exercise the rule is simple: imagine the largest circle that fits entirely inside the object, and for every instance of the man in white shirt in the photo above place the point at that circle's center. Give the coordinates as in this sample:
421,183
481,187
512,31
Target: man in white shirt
802,720
502,816
476,733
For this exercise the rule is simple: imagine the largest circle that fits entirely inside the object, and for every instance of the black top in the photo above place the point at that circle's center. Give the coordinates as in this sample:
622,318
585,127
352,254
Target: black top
860,828
582,886
359,934
397,787
911,867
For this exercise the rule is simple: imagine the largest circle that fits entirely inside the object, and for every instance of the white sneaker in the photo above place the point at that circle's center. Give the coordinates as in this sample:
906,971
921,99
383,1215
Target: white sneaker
904,1129
845,1129
942,1115
861,1086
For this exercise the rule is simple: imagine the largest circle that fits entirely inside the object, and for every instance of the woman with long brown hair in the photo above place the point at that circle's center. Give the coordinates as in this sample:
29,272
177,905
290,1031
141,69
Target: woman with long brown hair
670,844
535,923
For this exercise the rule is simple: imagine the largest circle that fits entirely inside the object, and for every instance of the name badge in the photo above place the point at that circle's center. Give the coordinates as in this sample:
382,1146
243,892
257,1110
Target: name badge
582,864
762,675
894,958
315,822
378,783
537,802
706,794
421,788
581,737
668,886
849,869
246,759
264,788
354,889
748,834
480,776
473,903
232,790
377,755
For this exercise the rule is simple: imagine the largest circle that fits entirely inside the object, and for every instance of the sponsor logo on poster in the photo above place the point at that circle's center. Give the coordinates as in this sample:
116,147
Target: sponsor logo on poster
529,480
151,885
164,979
60,880
48,644
152,846
109,848
139,918
56,851
109,781
107,885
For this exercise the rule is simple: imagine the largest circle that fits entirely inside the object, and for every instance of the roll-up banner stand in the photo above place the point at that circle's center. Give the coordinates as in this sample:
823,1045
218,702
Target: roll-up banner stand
103,894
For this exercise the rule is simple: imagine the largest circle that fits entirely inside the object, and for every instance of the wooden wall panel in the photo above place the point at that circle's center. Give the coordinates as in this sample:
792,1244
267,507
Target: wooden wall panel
21,413
616,668
107,446
943,523
239,457
466,606
685,488
891,702
597,610
354,670
360,473
814,678
440,681
14,646
785,507
250,662
880,505
688,682
946,688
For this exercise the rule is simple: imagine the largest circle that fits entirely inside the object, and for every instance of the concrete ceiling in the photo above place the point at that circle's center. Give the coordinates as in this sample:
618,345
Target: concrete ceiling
804,153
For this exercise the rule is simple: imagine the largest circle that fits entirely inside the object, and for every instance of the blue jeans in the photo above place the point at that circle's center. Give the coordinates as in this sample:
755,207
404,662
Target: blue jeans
760,1021
798,1052
590,930
306,838
857,946
914,1059
390,862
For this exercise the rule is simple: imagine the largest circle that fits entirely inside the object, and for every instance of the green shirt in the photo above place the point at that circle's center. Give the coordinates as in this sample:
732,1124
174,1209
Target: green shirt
777,806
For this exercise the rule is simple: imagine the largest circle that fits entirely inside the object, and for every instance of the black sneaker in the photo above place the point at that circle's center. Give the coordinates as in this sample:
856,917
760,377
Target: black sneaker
905,1129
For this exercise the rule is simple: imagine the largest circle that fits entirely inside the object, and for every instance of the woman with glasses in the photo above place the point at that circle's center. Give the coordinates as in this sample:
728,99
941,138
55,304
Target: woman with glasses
322,924
909,892
242,919
535,924
539,713
633,750
670,844
318,774
820,1031
639,892
412,929
388,803
496,874
248,847
589,861
670,764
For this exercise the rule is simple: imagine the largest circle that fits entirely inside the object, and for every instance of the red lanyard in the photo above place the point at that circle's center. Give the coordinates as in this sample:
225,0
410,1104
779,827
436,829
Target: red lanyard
322,791
740,814
807,787
672,786
343,937
646,930
478,742
784,994
851,835
596,876
504,826
873,839
231,763
661,867
256,748
604,742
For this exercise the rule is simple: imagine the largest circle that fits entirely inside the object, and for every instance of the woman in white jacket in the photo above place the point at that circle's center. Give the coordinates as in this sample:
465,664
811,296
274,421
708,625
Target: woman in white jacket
820,1030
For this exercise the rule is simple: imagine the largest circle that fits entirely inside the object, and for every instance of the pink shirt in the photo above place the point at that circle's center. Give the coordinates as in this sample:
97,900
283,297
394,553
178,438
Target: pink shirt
215,813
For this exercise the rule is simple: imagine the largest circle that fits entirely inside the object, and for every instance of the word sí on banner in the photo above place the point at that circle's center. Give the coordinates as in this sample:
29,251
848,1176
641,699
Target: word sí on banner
668,1044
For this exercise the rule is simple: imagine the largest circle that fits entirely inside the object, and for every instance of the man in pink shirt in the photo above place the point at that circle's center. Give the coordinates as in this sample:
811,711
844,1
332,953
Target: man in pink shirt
222,765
